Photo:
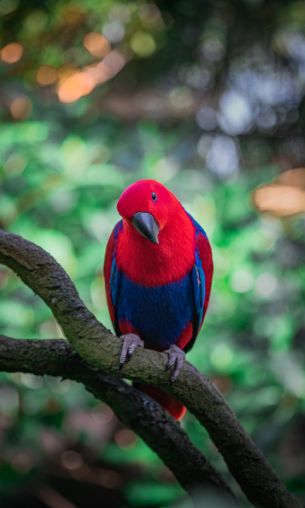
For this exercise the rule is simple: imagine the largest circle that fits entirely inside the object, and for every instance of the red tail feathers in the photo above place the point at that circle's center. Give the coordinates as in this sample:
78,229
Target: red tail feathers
173,406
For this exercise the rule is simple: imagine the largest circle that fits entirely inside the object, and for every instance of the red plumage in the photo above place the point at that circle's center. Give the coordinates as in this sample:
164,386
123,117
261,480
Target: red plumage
155,264
144,277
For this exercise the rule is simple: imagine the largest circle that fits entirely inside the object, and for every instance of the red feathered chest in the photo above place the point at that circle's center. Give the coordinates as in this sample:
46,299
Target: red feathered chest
151,264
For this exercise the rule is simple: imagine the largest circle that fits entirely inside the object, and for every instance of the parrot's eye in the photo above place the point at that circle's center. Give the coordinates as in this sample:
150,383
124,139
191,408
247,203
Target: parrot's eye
154,196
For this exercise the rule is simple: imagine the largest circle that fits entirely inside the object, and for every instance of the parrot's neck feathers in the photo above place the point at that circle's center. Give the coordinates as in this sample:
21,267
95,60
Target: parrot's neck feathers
155,264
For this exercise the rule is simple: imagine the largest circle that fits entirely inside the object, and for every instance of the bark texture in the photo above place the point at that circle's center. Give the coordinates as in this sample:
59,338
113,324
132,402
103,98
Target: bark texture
55,357
100,349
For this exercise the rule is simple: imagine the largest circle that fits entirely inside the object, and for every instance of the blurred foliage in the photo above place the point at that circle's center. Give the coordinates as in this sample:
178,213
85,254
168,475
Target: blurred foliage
208,98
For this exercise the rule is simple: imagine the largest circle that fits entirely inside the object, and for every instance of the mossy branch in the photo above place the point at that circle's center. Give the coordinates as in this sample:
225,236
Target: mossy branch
99,348
55,357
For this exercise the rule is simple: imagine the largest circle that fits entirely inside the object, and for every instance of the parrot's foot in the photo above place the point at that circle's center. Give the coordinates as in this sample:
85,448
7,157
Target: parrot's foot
131,342
175,361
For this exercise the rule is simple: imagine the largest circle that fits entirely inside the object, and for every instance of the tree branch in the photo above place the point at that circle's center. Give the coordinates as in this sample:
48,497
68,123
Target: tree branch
99,348
55,357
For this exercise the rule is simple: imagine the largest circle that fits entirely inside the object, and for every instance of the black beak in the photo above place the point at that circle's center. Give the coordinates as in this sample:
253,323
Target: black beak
146,225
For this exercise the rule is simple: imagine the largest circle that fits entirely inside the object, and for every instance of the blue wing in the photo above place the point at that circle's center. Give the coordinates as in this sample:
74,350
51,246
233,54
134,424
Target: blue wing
198,278
112,276
200,289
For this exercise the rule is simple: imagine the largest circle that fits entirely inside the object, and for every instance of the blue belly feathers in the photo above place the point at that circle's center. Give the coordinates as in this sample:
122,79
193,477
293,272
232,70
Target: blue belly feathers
158,314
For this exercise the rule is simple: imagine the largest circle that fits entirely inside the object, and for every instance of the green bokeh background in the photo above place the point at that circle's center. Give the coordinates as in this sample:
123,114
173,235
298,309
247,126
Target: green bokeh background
62,169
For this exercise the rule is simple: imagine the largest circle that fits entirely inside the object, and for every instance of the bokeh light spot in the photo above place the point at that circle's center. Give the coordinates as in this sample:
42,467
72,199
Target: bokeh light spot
181,98
221,356
236,113
11,53
77,83
125,438
114,30
242,280
150,16
222,156
266,284
71,460
75,86
20,107
206,118
280,200
294,177
143,44
96,44
46,75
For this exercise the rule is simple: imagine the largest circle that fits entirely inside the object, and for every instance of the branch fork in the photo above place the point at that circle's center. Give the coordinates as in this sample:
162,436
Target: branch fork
100,349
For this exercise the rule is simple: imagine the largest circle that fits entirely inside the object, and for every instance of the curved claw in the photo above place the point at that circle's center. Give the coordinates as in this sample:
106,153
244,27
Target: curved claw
175,361
131,342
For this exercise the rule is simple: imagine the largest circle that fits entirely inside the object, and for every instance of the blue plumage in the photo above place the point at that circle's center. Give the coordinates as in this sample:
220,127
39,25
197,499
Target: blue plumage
172,307
158,273
158,314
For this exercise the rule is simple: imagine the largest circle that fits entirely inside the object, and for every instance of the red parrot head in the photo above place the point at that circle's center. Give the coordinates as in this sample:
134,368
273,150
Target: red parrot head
147,206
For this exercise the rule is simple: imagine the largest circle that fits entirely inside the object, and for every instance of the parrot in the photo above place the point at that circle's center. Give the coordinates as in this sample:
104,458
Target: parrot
158,272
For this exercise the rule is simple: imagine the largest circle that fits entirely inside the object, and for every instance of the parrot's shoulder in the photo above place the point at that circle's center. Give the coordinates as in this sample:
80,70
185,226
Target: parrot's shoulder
203,247
112,241
198,228
117,228
111,273
111,252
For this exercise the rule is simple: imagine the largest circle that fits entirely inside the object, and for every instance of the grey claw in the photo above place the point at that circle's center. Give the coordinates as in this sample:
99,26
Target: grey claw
131,342
175,361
